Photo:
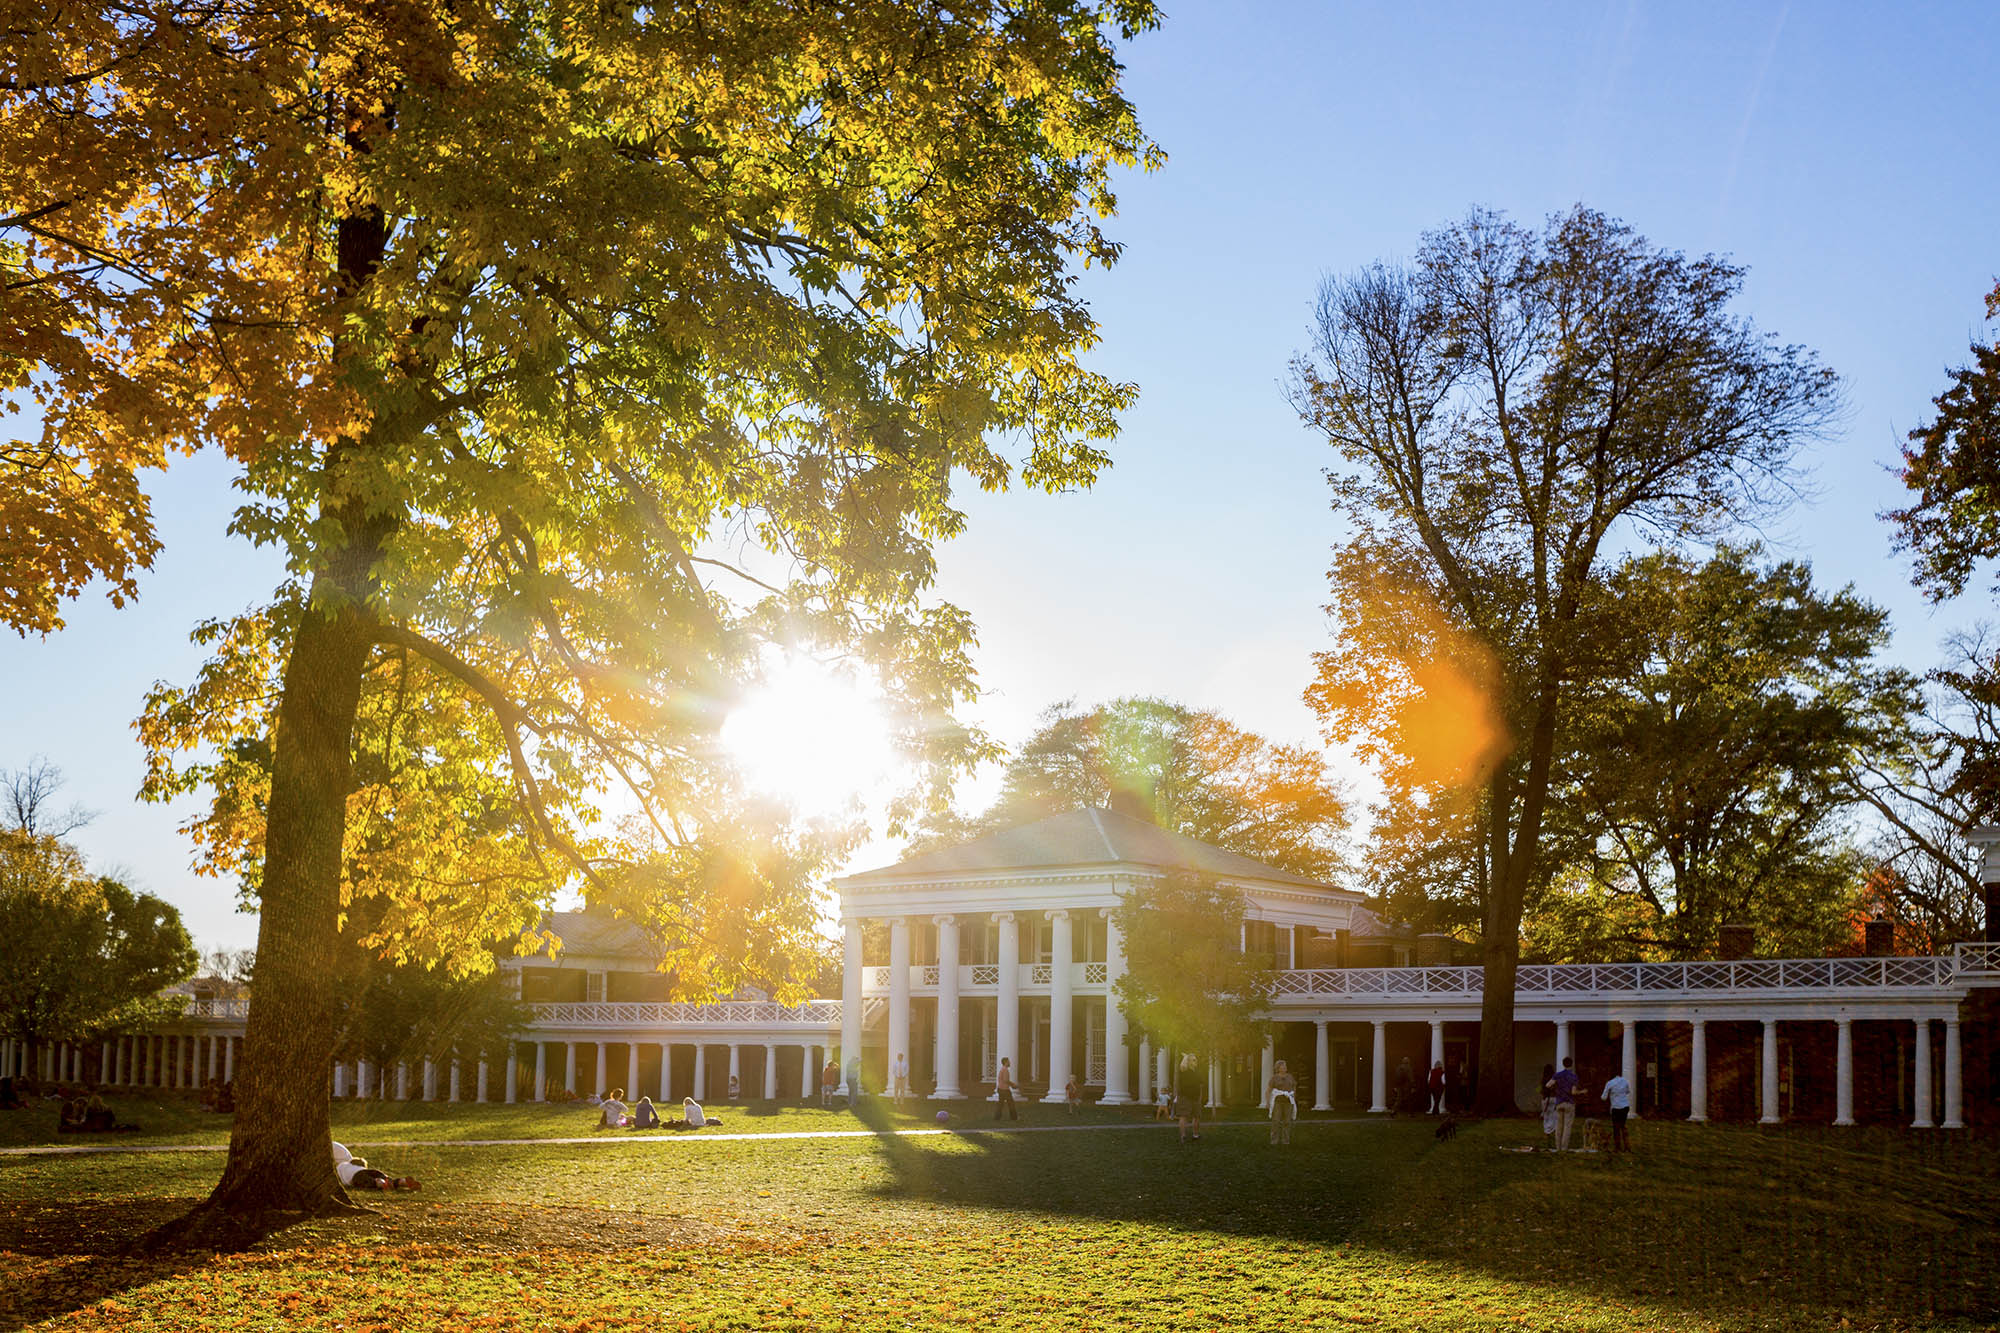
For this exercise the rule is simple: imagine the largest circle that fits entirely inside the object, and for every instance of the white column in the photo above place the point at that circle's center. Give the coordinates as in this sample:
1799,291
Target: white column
541,1089
1117,1084
850,1002
602,1084
1059,1004
1562,1041
1921,1091
945,1047
430,1084
1437,1049
899,990
340,1078
1954,1077
229,1059
214,1057
1698,1073
1007,1011
632,1070
1214,1082
104,1070
1769,1084
1267,1065
512,1073
402,1080
1322,1069
1628,1058
454,1091
1163,1071
569,1065
770,1088
1378,1069
1145,1069
700,1093
808,1074
481,1085
667,1070
361,1079
1843,1071
736,1066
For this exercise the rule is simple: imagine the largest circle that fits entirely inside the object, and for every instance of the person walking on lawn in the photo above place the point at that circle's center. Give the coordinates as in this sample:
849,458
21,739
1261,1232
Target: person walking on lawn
1565,1083
1188,1092
1618,1096
1283,1094
1437,1087
1003,1091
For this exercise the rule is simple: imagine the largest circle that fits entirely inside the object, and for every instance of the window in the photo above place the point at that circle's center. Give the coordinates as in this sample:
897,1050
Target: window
552,985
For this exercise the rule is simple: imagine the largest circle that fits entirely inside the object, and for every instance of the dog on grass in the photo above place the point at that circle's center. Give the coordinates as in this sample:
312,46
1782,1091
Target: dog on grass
1447,1131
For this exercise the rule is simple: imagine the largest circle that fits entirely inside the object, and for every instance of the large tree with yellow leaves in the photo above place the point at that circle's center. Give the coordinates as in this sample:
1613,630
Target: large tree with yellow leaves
575,355
1509,414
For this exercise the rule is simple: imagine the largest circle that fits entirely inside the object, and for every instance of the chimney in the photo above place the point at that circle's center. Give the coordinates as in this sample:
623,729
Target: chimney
1879,938
1735,942
1985,838
1132,802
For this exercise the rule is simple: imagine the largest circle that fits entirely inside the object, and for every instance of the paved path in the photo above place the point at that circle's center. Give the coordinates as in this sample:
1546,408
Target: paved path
609,1139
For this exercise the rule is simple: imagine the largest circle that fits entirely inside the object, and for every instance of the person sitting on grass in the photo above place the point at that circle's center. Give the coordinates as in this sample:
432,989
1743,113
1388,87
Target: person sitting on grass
644,1116
692,1116
225,1098
97,1117
611,1111
69,1119
356,1174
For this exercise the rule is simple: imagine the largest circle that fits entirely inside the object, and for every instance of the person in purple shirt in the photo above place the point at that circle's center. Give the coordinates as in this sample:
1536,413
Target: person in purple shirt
1564,1084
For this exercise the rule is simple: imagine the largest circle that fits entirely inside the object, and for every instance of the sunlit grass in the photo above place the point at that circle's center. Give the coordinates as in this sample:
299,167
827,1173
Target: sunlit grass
1374,1225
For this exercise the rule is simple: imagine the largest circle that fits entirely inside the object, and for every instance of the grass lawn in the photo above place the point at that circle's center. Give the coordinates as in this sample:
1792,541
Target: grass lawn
1356,1225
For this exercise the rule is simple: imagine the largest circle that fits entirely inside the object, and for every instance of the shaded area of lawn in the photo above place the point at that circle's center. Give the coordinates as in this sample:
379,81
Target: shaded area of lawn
1374,1224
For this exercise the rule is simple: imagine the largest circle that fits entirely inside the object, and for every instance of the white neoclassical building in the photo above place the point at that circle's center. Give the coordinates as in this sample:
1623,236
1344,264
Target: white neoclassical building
1006,946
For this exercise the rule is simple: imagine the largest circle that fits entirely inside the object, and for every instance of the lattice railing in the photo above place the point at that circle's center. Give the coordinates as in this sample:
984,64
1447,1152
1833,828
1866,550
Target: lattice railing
1093,1072
875,978
1745,975
1043,974
744,1013
1094,974
1975,960
928,975
985,974
232,1007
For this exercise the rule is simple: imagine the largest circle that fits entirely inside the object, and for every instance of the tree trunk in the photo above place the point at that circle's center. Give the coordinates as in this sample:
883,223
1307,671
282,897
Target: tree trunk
280,1159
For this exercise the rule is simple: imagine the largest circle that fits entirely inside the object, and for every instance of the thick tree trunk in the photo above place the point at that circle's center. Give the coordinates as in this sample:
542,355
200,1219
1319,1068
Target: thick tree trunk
280,1160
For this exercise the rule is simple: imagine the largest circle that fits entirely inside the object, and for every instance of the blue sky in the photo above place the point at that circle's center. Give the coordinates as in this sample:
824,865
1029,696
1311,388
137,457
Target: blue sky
1841,152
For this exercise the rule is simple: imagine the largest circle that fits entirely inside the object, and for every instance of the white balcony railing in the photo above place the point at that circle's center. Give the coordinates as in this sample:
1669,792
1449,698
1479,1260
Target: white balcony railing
738,1013
1746,976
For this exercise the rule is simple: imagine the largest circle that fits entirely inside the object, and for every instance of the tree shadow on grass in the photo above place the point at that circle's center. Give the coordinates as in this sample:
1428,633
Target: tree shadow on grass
1728,1220
76,1254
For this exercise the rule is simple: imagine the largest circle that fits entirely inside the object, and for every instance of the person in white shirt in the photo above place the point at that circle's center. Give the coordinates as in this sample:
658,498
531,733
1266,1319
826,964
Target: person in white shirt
899,1079
1618,1095
692,1116
611,1113
356,1174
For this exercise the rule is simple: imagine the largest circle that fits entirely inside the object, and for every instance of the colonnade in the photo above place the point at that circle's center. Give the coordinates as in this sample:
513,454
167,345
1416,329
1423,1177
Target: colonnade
1007,1001
1922,1090
151,1060
365,1079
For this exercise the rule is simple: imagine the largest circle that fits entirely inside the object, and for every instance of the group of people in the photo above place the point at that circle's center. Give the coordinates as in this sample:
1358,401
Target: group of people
612,1113
219,1096
1561,1090
83,1114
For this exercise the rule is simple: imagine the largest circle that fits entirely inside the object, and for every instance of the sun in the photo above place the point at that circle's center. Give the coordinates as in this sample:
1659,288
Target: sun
812,737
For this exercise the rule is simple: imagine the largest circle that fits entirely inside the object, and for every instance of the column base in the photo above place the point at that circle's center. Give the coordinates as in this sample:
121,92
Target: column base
1923,1124
1769,1120
1697,1120
947,1095
1378,1110
1321,1106
1055,1098
1952,1124
1848,1121
1115,1099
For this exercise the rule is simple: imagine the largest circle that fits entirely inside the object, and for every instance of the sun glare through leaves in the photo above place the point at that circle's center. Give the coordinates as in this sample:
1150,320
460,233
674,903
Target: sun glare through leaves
812,737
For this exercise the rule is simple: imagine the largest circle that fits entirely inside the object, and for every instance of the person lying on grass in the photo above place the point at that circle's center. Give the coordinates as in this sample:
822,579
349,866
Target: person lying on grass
355,1173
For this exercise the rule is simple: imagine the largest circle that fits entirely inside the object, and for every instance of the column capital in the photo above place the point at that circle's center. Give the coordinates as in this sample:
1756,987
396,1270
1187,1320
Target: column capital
1844,1020
1002,918
944,919
1058,914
